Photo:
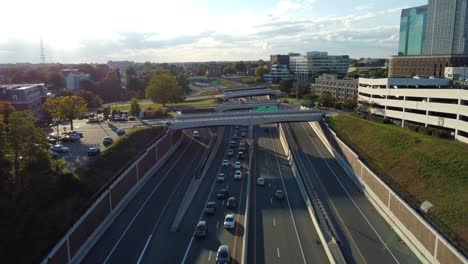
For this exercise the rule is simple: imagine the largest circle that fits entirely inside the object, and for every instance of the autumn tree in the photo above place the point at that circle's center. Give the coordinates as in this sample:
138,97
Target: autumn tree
326,99
68,107
285,86
260,71
164,89
134,107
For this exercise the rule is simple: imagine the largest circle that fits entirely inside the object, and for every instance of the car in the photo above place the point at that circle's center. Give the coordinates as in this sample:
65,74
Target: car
232,143
261,181
279,194
242,142
237,175
240,155
244,134
222,194
79,133
94,151
59,148
52,141
196,134
220,177
120,131
116,116
222,257
225,163
235,136
201,230
229,221
210,208
237,165
54,135
72,137
230,152
231,202
54,155
242,147
107,141
131,118
110,117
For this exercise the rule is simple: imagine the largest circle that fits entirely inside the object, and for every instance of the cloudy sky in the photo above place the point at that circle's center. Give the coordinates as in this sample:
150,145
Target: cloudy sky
197,30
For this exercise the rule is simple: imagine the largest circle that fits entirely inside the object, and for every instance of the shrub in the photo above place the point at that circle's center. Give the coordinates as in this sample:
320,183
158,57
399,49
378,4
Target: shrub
155,112
338,106
308,103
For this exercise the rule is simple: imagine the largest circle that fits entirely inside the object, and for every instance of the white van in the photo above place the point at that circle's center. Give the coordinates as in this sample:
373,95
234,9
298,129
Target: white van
195,134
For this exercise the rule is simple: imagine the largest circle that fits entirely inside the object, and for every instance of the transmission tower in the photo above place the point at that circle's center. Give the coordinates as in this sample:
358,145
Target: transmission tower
42,56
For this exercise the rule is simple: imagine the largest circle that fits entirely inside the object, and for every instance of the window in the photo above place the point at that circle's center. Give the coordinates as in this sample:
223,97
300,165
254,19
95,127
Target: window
14,97
463,118
395,108
440,114
443,100
415,111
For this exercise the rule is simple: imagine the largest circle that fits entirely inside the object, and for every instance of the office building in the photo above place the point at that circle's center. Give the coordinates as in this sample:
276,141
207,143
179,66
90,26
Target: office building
25,97
341,89
427,102
427,66
277,73
315,63
279,59
213,70
74,77
447,27
412,30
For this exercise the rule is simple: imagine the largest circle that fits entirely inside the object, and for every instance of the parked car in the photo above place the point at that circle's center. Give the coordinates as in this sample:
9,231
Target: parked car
131,118
107,141
59,148
231,202
196,134
221,177
120,131
237,175
222,257
279,194
229,221
201,230
222,194
94,151
210,208
72,137
261,181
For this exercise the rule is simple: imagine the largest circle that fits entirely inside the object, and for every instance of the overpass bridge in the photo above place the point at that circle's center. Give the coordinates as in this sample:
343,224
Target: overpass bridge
246,88
249,119
228,106
249,93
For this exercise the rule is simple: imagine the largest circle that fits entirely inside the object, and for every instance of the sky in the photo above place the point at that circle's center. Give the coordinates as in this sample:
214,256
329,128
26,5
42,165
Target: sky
95,31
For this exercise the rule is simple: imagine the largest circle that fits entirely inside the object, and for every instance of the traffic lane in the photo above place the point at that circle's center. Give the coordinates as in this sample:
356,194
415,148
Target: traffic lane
205,250
372,239
121,225
400,251
312,249
169,247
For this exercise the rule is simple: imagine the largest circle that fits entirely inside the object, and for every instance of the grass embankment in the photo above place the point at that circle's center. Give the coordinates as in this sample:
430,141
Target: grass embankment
207,93
125,106
420,167
64,207
226,83
289,100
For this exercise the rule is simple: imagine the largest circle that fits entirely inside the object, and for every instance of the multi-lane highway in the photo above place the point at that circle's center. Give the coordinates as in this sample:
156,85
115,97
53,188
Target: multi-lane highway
364,236
280,231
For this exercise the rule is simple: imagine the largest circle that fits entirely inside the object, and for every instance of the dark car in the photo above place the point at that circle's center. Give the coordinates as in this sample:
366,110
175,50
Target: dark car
279,194
222,194
107,141
94,151
210,208
232,143
244,134
201,230
222,257
231,203
240,155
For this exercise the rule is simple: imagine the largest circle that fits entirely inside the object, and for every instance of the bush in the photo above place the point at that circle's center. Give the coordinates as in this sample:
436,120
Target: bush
308,103
338,106
311,97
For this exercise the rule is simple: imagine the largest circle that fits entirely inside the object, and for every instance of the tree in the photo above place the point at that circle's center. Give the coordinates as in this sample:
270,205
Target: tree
56,79
326,99
68,107
260,71
135,107
302,88
240,66
5,110
183,82
164,89
351,103
285,86
261,63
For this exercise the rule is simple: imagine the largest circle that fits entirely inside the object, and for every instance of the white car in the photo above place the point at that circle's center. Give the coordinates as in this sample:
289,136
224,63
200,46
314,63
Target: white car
196,134
237,165
242,147
220,177
261,181
229,221
74,136
237,175
230,152
59,148
225,163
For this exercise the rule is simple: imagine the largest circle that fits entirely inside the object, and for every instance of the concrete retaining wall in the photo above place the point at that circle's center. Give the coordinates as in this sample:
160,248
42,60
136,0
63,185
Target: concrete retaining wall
420,236
82,235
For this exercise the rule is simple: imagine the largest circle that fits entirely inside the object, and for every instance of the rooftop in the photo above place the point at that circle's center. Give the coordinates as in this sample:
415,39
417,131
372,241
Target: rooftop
22,86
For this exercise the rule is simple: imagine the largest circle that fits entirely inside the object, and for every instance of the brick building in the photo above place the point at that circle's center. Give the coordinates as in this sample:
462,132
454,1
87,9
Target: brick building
408,66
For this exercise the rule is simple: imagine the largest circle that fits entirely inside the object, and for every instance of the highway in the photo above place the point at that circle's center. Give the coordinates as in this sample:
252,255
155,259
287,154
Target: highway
280,231
364,235
204,250
125,239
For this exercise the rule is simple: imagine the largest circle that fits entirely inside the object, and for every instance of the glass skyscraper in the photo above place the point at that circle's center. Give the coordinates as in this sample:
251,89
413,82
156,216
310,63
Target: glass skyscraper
447,27
412,30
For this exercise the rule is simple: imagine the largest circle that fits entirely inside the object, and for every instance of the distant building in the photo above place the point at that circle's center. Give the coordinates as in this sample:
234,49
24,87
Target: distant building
279,59
427,102
456,73
213,71
314,63
73,78
408,66
447,27
120,64
277,73
412,30
25,97
366,68
341,89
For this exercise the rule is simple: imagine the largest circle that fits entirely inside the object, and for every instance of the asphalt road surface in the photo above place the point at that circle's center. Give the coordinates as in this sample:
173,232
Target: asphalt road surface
364,235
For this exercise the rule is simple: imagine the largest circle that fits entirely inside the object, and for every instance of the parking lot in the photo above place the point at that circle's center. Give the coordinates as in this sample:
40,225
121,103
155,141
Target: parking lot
93,134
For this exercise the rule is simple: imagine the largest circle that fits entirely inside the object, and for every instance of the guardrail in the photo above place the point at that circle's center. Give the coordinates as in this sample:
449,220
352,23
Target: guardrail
100,214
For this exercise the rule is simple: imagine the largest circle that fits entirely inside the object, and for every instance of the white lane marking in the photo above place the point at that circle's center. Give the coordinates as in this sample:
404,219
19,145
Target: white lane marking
287,199
217,224
271,200
347,193
207,199
274,223
144,249
144,204
269,185
209,257
277,251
